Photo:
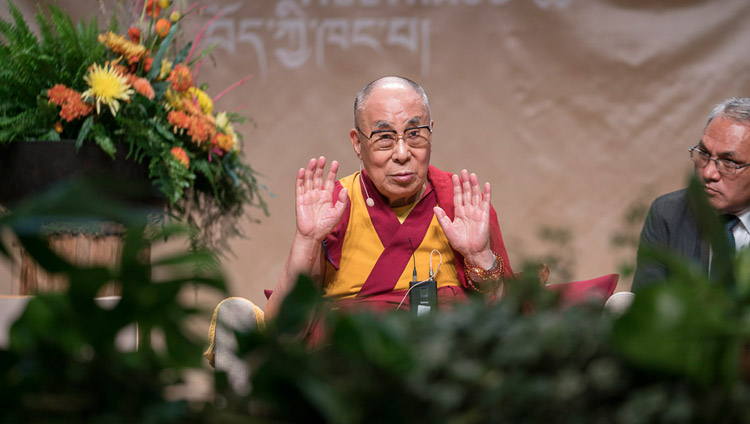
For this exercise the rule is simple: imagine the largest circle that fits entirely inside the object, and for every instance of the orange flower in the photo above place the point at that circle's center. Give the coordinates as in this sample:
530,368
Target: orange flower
200,131
75,107
162,27
143,87
198,127
152,9
148,61
181,78
223,141
135,34
178,119
58,127
58,94
190,106
70,102
181,156
119,69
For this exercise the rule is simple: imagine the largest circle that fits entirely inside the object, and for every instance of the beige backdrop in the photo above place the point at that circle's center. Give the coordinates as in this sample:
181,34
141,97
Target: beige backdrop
574,110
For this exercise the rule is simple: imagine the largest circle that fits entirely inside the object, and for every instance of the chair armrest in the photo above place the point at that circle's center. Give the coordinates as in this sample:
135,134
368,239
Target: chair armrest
619,302
232,315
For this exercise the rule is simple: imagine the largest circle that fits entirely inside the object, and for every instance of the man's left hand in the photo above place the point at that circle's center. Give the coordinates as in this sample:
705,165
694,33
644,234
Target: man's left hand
469,232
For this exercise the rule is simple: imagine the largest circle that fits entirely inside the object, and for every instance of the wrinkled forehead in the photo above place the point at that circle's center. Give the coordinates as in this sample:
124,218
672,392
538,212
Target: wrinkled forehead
725,133
394,104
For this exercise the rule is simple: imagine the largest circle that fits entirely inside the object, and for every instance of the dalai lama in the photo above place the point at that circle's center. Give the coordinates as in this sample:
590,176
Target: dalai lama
362,237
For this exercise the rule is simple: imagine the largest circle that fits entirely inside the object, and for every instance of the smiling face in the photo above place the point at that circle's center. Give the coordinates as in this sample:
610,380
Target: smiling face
725,138
399,174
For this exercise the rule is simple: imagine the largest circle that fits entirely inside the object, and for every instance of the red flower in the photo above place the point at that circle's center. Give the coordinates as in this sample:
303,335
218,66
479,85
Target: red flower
152,9
135,34
147,62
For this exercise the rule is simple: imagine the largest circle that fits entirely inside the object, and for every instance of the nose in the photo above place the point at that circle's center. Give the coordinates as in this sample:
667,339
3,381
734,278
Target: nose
709,172
401,152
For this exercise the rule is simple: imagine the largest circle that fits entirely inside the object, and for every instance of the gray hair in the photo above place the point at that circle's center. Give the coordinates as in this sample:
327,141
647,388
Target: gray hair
735,108
361,98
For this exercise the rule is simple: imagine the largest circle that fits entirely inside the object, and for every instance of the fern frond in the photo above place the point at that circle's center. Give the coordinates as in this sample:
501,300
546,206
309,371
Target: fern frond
26,125
21,33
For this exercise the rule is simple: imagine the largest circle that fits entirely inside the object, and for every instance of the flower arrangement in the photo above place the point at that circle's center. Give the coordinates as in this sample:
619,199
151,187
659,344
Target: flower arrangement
134,91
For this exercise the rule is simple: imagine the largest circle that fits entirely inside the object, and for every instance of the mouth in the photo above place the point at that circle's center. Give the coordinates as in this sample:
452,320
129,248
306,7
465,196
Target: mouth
711,191
402,177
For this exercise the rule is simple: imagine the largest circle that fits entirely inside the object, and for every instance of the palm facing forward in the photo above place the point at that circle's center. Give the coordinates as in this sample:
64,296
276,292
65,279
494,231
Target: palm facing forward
316,213
469,232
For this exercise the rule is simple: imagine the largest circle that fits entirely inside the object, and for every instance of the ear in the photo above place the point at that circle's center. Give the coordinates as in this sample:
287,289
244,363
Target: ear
354,136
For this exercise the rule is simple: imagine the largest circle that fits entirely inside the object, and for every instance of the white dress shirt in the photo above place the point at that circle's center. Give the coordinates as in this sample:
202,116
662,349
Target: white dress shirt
741,233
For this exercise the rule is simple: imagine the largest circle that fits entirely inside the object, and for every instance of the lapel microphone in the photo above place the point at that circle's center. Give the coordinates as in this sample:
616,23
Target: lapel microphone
369,200
422,294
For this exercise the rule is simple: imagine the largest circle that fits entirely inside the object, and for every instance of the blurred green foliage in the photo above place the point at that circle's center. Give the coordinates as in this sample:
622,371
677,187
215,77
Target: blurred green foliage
520,360
62,365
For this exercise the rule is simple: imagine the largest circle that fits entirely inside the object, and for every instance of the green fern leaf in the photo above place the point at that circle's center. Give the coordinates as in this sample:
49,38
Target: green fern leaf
106,144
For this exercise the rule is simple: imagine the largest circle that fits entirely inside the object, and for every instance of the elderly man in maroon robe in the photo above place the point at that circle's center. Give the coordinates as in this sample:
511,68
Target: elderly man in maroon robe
363,237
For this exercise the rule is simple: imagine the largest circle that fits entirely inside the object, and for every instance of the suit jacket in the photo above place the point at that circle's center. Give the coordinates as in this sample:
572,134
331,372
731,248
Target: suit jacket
669,224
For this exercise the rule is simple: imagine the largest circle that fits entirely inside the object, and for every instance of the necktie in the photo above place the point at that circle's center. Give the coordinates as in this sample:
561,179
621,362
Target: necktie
729,222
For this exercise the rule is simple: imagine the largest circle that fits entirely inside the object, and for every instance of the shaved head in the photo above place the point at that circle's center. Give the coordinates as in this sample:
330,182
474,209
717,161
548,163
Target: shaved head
364,94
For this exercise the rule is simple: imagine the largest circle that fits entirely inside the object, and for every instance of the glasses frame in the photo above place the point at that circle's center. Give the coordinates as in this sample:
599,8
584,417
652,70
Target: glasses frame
731,169
399,135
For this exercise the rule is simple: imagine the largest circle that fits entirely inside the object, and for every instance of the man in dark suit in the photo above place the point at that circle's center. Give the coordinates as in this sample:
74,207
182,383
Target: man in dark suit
721,159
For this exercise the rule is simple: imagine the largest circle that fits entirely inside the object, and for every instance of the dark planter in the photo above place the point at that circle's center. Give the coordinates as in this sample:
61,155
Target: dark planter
30,167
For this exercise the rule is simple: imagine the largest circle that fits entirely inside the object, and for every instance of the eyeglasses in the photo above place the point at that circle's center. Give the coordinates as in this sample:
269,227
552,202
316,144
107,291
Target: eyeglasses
387,139
724,166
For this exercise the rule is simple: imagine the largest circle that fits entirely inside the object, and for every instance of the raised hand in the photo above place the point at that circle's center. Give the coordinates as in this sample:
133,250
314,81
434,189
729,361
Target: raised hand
317,214
469,232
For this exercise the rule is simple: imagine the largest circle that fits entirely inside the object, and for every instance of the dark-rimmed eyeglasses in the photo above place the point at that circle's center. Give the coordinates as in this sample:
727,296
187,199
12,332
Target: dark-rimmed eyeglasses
724,166
387,139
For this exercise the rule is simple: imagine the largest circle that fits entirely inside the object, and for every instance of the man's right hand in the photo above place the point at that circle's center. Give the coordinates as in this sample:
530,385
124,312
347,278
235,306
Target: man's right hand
316,213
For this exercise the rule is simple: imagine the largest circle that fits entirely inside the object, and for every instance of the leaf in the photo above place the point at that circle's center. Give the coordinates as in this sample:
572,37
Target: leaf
156,66
159,89
106,144
165,132
183,52
84,132
682,330
298,307
51,135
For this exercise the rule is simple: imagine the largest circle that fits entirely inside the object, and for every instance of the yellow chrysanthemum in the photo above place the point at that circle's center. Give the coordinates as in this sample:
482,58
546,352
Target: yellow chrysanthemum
173,100
106,86
207,106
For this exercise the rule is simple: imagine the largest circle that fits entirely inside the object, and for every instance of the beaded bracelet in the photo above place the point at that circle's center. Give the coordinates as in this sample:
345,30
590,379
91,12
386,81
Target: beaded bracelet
478,274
